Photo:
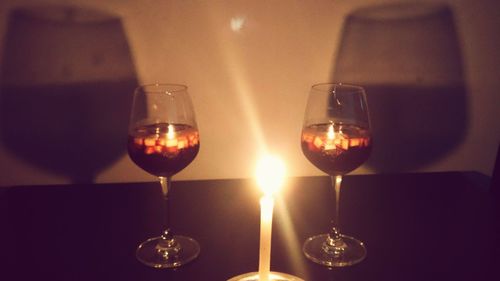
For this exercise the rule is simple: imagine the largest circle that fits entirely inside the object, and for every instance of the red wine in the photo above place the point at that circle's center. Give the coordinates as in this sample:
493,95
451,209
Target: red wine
163,149
336,148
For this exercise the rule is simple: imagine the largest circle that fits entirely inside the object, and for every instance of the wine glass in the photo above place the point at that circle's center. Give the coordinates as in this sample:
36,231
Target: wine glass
336,138
163,139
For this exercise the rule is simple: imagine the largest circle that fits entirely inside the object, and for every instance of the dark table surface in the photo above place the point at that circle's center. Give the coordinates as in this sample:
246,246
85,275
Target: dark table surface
422,226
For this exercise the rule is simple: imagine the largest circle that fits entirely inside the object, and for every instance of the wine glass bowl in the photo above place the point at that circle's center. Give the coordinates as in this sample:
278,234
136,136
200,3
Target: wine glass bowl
163,139
336,148
156,150
336,138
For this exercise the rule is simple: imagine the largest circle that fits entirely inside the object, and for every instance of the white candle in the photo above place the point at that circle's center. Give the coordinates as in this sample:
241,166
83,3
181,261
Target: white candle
270,176
266,222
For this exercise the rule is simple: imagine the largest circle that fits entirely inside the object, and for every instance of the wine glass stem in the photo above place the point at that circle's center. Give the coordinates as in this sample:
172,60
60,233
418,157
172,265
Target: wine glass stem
165,188
334,244
336,182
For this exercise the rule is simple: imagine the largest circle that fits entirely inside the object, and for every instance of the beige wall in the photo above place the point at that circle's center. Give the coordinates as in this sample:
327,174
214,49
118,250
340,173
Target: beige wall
237,79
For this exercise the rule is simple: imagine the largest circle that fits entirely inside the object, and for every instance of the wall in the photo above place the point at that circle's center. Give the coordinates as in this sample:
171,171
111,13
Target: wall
249,66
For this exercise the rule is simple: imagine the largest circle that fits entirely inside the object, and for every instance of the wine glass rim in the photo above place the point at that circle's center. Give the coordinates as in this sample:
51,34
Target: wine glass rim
161,88
318,86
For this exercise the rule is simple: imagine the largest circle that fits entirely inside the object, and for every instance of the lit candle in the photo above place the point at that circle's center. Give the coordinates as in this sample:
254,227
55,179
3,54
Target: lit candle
270,176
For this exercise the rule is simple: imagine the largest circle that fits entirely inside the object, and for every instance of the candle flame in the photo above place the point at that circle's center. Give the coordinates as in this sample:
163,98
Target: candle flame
270,174
170,132
331,134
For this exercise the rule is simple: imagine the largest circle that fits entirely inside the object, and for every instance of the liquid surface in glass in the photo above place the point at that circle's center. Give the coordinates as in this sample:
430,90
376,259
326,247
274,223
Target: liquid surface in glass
336,149
163,149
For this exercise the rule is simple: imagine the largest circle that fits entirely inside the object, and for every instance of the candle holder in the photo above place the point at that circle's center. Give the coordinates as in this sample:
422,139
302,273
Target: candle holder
274,276
270,175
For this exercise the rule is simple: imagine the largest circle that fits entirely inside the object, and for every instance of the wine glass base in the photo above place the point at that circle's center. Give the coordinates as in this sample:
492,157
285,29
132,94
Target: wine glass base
274,276
148,254
353,251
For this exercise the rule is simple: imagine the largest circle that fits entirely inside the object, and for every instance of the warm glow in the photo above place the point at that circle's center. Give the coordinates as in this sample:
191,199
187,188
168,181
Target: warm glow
270,174
294,250
237,23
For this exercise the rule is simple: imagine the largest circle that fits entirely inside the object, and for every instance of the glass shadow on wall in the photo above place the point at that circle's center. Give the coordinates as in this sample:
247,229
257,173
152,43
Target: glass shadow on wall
407,56
66,89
